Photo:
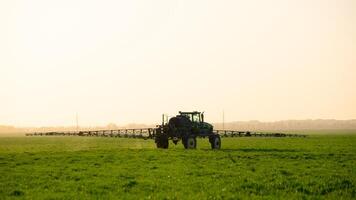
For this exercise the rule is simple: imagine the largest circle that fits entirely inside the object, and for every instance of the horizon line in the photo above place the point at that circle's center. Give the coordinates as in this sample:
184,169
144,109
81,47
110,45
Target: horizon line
139,123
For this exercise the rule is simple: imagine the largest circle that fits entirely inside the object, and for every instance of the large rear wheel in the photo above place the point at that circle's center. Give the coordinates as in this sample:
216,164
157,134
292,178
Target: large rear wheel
190,143
215,142
162,142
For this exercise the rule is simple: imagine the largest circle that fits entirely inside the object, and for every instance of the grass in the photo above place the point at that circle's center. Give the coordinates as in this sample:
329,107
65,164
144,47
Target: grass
316,167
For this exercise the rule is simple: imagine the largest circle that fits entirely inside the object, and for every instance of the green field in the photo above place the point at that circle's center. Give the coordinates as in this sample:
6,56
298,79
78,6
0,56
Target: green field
316,167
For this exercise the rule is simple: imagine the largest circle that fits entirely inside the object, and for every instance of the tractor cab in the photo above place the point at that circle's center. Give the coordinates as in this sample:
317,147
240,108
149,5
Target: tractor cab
194,117
197,122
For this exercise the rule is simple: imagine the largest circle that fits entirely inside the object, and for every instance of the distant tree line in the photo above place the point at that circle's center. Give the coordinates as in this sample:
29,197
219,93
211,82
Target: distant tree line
318,124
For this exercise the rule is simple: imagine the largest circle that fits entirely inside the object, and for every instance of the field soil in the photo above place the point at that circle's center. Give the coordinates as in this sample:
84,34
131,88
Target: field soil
315,167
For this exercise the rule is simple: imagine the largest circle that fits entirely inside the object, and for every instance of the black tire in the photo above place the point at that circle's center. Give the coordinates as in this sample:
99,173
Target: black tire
215,142
162,142
190,143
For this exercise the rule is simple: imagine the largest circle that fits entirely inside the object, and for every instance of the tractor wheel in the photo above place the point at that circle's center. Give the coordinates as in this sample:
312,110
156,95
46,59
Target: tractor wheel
190,143
215,142
162,142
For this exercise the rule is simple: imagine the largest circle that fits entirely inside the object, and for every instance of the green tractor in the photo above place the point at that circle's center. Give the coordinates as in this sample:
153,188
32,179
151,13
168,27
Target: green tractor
185,127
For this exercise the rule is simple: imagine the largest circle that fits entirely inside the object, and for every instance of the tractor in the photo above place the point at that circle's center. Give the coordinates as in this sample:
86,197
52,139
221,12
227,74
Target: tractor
185,127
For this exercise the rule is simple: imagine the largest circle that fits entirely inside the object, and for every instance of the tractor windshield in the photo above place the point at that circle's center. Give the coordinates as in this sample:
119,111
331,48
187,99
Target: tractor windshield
192,116
196,118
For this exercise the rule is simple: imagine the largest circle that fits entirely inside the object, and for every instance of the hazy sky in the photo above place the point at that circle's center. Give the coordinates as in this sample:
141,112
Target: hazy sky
131,61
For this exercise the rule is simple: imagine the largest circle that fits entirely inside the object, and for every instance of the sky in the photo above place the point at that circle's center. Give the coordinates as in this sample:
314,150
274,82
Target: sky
121,62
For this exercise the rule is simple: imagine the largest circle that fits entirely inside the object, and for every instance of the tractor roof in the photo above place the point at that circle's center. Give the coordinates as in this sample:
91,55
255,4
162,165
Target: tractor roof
194,112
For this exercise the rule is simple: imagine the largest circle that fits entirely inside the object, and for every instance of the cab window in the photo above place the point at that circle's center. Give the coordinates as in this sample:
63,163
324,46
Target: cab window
196,118
188,116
